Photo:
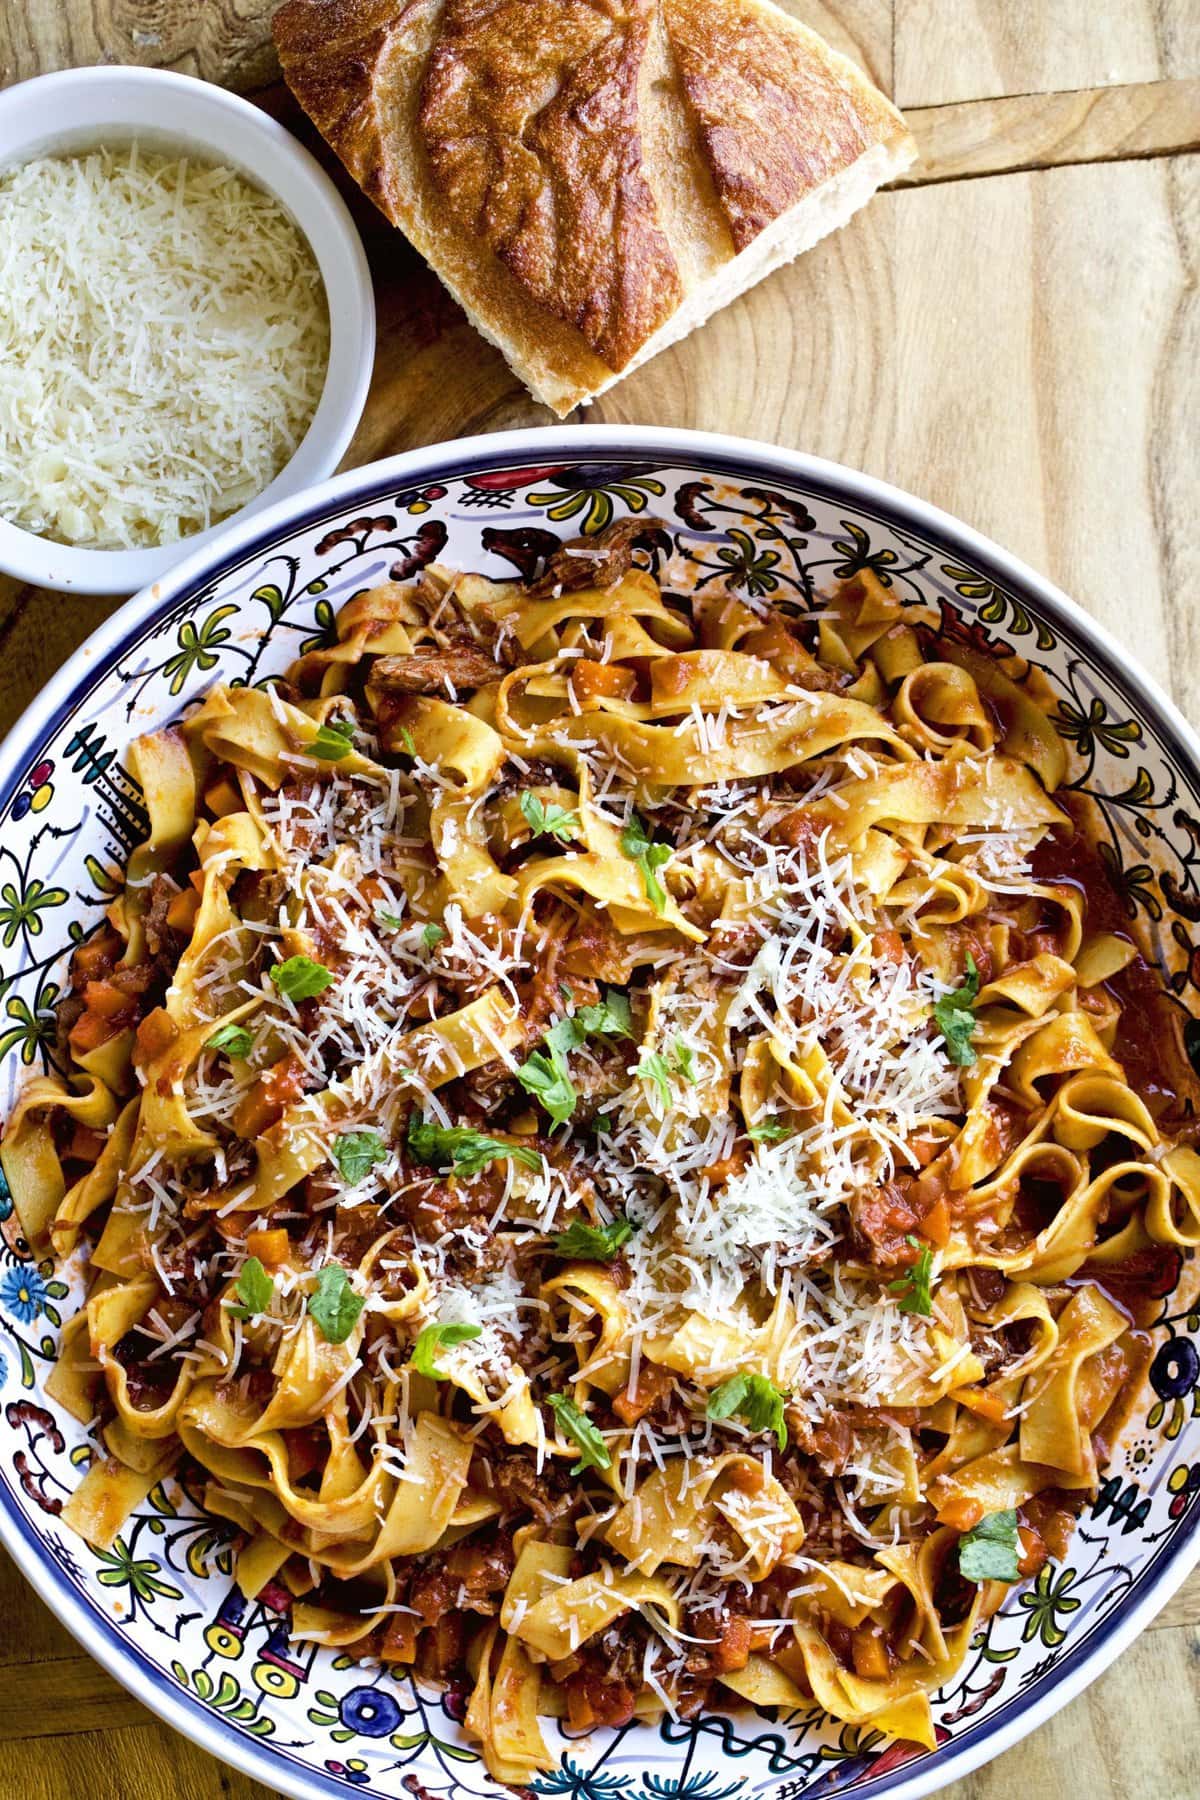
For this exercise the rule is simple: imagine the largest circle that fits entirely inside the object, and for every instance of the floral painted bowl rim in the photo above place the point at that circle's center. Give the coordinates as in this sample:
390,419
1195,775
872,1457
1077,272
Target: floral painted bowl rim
94,658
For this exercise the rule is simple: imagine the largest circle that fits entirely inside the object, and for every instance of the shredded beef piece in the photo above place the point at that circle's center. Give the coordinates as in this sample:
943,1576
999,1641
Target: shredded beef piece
599,561
433,671
160,937
513,1478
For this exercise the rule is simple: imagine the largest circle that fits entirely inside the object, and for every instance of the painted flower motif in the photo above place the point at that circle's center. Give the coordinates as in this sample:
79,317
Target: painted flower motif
33,1026
749,565
140,1575
369,1711
21,908
1046,1602
858,555
23,1293
1094,726
197,649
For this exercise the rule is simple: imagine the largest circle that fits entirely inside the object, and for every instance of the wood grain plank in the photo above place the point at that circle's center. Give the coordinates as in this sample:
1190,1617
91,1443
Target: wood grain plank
1016,349
1038,131
146,1761
949,50
227,41
62,1697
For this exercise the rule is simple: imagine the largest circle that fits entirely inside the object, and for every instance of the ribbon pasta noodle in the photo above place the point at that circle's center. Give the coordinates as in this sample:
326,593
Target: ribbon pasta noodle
609,1134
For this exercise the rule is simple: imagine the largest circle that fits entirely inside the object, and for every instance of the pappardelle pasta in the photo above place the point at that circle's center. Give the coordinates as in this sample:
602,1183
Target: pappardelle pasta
620,1137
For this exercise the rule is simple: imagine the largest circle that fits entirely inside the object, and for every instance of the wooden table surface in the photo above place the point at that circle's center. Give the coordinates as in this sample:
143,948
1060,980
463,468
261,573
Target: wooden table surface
1012,332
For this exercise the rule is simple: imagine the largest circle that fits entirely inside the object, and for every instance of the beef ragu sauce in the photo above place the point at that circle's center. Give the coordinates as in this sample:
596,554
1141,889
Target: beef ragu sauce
1148,1042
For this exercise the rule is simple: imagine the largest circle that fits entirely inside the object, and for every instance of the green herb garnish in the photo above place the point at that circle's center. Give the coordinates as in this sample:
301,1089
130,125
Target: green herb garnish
408,741
436,1337
356,1153
234,1040
991,1551
549,821
955,1016
432,935
334,740
655,1067
768,1132
593,1451
639,847
593,1243
753,1398
254,1288
547,1075
457,1150
915,1286
334,1304
393,920
300,978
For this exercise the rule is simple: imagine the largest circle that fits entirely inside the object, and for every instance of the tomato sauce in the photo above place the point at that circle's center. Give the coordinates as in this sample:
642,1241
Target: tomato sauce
1147,1042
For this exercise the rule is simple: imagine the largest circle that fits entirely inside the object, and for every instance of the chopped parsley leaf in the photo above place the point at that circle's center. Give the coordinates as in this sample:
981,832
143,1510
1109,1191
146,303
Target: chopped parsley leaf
234,1040
639,847
546,1074
356,1153
300,978
432,935
593,1451
955,1017
457,1150
991,1551
593,1243
753,1398
768,1132
915,1286
433,1338
334,739
550,821
334,1305
254,1288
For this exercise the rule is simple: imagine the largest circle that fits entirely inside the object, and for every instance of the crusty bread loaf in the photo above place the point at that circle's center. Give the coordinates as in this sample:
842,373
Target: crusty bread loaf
592,178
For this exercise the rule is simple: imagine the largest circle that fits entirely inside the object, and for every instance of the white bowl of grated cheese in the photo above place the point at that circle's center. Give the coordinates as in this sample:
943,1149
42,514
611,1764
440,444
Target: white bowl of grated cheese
116,462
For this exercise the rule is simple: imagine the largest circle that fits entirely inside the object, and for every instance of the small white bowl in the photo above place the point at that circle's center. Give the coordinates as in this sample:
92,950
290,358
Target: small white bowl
82,108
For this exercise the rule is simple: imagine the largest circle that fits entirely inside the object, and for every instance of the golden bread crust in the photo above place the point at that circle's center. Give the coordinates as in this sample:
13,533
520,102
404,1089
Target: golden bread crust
778,113
577,170
530,120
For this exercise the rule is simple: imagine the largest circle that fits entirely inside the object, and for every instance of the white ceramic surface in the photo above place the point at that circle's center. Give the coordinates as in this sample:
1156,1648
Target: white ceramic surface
82,108
161,1610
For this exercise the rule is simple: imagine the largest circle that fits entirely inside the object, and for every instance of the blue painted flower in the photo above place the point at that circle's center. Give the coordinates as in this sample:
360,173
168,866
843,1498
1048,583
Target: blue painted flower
370,1711
23,1293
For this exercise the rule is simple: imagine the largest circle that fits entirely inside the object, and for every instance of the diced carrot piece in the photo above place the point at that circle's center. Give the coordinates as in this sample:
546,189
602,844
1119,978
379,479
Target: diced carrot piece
155,1035
222,796
181,913
870,1654
935,1226
89,1032
983,1405
270,1247
593,680
104,999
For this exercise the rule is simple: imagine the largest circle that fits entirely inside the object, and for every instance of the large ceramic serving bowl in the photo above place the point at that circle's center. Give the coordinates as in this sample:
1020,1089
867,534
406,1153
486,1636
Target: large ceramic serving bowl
160,1609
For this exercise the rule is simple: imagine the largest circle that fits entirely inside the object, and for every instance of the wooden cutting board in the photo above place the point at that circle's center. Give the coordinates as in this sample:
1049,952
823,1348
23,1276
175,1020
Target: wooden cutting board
1014,333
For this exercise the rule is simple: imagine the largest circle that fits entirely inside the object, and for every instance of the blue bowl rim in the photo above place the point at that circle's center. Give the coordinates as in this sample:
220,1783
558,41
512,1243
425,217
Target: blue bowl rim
717,454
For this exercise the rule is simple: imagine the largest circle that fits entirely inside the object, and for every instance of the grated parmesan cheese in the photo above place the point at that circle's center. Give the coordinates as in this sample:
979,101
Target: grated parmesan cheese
163,343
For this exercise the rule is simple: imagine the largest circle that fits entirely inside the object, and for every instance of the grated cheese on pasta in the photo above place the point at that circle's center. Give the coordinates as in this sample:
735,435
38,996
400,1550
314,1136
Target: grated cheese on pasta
163,343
